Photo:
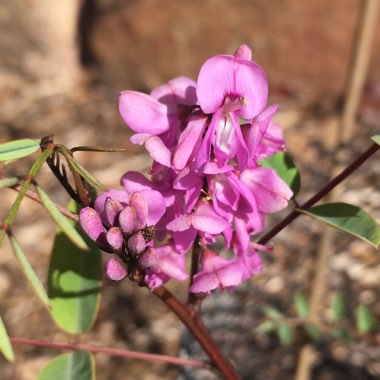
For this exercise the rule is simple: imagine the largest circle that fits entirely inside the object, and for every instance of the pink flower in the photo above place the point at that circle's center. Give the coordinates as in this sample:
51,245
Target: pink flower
222,273
161,264
229,87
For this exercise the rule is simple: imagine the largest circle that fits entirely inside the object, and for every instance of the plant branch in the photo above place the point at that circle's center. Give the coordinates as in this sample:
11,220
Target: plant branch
320,194
198,330
32,195
111,351
11,215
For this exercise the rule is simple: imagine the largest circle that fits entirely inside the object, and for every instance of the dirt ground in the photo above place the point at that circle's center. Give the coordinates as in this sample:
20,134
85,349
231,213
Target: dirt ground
50,83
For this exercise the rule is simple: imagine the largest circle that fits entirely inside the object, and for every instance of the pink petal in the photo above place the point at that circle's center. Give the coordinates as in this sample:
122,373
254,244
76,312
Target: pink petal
135,181
143,113
189,140
210,224
171,263
180,90
216,272
179,224
271,192
156,206
158,150
186,179
114,270
185,239
223,76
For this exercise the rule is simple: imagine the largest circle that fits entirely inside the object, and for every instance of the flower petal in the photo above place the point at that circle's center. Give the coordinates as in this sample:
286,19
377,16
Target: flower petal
271,192
189,140
223,76
181,90
179,224
143,113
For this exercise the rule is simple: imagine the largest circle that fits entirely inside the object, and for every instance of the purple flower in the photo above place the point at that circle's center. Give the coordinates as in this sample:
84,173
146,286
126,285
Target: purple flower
206,140
161,264
229,87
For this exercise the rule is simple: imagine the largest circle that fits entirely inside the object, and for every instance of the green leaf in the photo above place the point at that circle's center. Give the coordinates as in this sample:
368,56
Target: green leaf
376,139
301,305
75,165
342,334
285,333
5,343
7,182
74,284
313,331
13,150
273,313
337,308
348,218
365,319
284,166
265,327
70,366
66,226
29,272
11,215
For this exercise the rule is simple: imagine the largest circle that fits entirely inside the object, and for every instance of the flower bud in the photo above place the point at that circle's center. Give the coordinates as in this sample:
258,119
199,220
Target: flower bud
148,258
115,239
139,203
91,223
114,270
111,209
136,243
127,219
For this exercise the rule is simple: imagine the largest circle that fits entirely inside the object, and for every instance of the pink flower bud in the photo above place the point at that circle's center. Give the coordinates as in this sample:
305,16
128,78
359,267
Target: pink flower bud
114,270
115,239
136,243
111,209
148,258
91,223
127,219
139,203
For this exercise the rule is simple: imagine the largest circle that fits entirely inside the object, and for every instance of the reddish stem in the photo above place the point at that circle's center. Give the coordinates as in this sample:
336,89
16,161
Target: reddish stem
199,331
321,193
111,351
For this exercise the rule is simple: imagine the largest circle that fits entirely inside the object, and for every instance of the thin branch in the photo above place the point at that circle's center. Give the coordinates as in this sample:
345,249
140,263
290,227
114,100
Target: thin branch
32,195
111,351
320,194
194,300
199,331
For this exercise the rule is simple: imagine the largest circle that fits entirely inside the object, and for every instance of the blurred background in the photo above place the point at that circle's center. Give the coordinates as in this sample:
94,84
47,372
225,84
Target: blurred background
62,65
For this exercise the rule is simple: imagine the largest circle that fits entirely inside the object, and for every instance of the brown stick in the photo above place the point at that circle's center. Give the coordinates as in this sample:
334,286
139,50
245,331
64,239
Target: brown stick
200,333
111,351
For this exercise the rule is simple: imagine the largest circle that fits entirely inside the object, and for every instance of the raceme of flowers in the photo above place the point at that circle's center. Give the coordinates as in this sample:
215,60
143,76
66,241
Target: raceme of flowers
206,184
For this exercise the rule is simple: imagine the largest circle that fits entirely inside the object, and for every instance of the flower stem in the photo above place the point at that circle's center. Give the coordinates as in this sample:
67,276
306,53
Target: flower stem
199,331
111,351
320,194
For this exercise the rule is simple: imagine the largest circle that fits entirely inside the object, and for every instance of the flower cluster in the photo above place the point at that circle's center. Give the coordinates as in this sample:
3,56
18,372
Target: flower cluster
206,139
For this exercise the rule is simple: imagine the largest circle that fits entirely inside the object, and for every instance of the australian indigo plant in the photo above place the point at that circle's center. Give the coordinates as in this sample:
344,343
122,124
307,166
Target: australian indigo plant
207,196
